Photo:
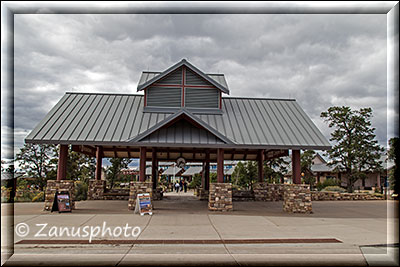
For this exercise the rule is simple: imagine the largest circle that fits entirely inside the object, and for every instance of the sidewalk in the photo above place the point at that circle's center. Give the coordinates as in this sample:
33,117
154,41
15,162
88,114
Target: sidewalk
181,217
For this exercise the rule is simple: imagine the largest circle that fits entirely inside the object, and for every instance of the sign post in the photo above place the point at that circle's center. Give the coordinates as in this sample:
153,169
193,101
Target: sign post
143,204
62,202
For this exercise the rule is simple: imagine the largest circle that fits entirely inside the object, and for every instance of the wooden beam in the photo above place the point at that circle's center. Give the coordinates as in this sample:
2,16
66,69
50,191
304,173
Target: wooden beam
99,159
115,152
142,164
129,152
220,165
87,150
296,169
207,171
261,166
154,167
62,163
246,152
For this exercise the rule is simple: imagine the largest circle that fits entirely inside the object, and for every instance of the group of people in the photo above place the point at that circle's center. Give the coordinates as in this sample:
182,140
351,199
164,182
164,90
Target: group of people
180,186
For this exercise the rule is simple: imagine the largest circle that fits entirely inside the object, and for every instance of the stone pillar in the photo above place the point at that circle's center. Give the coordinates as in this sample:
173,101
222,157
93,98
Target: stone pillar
99,159
138,188
142,165
296,168
62,163
261,165
96,189
260,191
220,165
220,198
297,198
53,186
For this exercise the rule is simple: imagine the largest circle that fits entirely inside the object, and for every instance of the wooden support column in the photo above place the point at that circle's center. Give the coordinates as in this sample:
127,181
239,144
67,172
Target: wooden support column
142,165
296,169
378,180
220,165
207,171
154,167
261,165
62,163
99,159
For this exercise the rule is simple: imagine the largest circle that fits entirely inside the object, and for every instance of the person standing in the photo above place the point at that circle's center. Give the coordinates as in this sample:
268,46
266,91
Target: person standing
185,185
177,187
180,185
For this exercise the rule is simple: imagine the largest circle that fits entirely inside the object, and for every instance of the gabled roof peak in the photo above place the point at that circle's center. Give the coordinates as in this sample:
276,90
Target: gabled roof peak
151,77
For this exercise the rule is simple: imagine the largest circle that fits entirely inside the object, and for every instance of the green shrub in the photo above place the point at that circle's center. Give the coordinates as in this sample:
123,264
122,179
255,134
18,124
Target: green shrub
334,189
196,181
81,190
327,182
27,196
39,197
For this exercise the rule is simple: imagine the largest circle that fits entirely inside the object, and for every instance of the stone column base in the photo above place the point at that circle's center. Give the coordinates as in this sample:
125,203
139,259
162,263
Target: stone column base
220,197
96,189
297,198
53,186
138,188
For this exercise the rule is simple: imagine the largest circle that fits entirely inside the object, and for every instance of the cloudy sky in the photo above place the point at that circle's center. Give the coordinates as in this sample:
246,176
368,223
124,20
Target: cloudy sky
320,60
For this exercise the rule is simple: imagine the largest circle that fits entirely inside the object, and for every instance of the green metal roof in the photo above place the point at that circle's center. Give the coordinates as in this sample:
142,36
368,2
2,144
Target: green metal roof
119,119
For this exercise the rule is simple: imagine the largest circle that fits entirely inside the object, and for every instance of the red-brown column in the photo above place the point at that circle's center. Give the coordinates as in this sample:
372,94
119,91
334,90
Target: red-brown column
296,170
207,171
220,165
142,165
378,180
261,165
154,167
62,163
99,159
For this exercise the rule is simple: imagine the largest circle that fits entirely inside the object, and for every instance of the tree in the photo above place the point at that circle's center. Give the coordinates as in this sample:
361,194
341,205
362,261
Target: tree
36,160
7,166
355,149
393,155
275,169
245,175
114,171
79,166
306,159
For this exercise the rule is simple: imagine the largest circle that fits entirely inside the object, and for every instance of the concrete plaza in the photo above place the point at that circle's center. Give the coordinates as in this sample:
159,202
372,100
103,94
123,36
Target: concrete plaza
363,229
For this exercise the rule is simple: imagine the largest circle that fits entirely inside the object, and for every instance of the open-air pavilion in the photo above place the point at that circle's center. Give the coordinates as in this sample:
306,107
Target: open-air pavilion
182,114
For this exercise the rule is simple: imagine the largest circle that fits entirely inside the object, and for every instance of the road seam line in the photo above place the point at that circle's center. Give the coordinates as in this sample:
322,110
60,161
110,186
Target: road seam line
123,257
220,237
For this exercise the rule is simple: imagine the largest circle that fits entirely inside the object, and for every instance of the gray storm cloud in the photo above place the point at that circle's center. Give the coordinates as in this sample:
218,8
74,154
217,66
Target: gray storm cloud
320,60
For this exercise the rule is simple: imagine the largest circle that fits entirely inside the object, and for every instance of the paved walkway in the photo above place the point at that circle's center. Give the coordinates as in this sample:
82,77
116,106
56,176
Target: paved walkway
361,226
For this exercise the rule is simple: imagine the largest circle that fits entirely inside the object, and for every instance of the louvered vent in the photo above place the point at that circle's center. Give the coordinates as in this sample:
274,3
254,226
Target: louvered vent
164,97
193,79
201,98
173,78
